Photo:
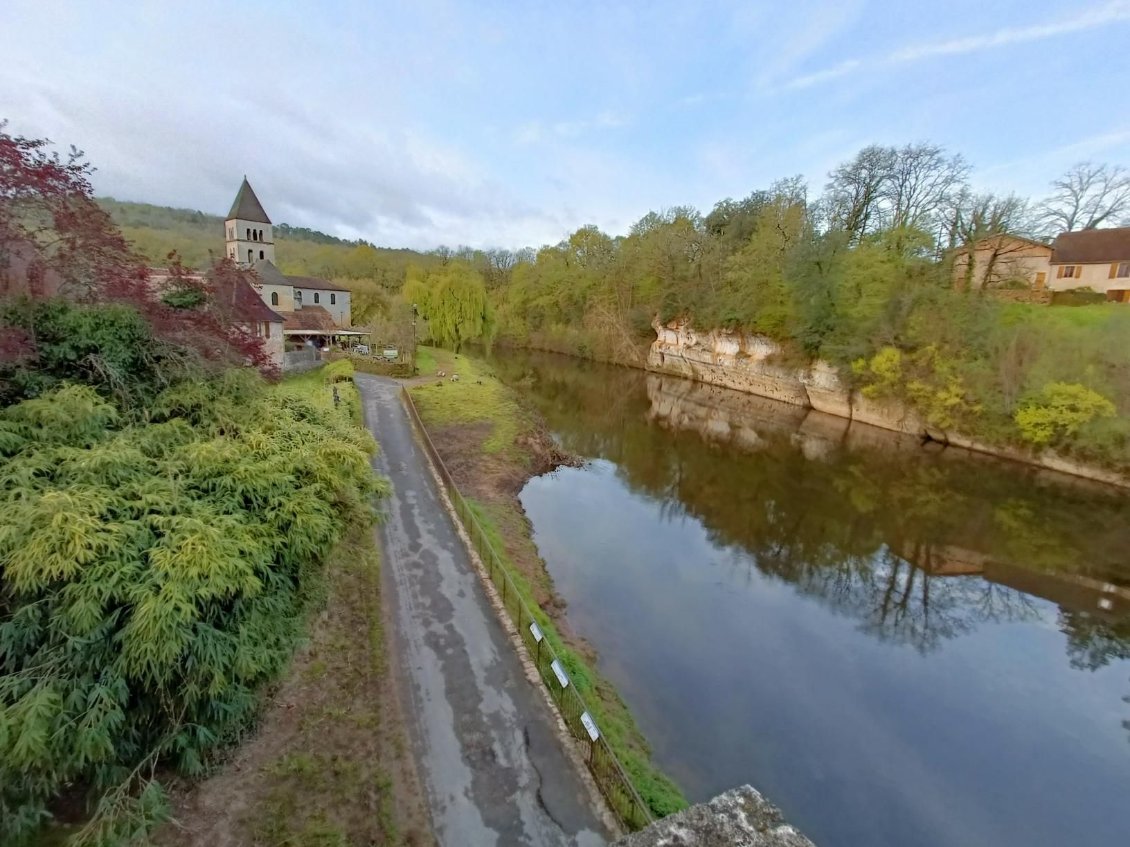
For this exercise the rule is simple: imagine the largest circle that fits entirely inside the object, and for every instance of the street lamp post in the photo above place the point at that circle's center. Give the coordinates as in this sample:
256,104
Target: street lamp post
415,312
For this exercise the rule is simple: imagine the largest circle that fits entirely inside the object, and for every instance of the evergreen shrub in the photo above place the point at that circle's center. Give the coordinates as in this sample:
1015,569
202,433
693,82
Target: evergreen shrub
154,576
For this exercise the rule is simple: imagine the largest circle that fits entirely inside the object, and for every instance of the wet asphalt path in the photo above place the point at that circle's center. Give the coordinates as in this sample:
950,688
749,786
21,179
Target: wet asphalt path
484,740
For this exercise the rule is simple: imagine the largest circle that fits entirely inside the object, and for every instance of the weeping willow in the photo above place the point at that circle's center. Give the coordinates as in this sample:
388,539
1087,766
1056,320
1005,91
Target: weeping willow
153,577
453,301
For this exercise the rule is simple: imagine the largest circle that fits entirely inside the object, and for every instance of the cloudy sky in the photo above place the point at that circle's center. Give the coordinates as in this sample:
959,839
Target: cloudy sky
506,124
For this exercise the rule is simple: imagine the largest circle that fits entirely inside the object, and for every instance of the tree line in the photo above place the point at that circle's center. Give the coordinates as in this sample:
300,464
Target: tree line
860,275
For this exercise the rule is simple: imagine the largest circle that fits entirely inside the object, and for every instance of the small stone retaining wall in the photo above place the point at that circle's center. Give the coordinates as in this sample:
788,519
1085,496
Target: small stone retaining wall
297,361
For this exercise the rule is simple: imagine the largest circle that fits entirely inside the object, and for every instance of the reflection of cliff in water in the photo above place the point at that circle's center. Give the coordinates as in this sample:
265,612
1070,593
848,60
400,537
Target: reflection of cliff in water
917,544
914,590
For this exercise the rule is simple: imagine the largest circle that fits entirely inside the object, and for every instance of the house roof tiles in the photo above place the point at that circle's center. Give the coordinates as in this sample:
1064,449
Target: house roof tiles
269,274
1092,246
314,282
244,303
312,319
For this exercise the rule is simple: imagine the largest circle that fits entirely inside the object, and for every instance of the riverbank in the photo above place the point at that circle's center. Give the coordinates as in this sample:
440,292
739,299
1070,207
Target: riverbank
754,364
492,444
786,599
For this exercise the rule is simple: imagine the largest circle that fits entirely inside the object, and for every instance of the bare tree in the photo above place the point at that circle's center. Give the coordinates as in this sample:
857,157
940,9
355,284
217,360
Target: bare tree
854,193
1086,197
889,187
922,184
973,217
973,220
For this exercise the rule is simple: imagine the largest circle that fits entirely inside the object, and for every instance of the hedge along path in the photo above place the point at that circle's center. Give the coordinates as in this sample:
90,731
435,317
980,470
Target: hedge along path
155,577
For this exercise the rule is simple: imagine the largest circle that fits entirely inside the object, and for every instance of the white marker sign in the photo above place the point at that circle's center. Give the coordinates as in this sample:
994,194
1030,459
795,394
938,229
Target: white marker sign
559,672
590,726
535,631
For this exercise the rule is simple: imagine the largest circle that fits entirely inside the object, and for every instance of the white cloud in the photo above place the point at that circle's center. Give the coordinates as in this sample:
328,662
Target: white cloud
817,77
804,33
535,132
1110,13
1033,173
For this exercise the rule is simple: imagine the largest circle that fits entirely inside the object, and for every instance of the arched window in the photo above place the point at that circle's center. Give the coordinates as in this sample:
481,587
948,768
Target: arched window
259,235
260,254
274,298
248,234
250,257
298,297
333,299
315,296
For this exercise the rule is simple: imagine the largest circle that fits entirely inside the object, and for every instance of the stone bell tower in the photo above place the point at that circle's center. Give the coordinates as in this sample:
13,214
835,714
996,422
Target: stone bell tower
248,234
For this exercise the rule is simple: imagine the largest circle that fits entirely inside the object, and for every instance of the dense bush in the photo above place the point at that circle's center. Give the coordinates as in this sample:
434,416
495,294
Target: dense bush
109,347
1077,297
153,576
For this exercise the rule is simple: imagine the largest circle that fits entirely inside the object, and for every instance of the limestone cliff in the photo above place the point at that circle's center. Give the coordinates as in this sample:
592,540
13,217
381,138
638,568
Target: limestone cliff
752,363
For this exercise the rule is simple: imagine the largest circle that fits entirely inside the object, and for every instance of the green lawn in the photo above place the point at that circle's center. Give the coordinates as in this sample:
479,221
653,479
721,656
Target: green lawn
1081,317
476,398
425,361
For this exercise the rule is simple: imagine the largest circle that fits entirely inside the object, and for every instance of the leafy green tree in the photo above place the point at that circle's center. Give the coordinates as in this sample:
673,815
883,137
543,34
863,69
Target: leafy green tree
1059,411
453,300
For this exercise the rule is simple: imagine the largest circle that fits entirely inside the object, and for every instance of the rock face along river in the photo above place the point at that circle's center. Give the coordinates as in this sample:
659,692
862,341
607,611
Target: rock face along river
898,646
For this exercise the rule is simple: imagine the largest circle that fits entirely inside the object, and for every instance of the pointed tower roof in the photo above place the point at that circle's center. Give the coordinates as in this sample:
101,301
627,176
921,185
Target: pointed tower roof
247,206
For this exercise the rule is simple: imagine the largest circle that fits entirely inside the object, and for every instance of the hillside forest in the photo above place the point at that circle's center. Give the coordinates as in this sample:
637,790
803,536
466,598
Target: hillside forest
860,275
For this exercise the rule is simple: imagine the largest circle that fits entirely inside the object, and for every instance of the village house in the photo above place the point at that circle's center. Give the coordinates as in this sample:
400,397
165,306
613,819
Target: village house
240,305
1098,259
1002,259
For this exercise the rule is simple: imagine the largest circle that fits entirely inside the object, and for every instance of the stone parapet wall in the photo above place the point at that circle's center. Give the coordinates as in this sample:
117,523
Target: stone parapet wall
297,361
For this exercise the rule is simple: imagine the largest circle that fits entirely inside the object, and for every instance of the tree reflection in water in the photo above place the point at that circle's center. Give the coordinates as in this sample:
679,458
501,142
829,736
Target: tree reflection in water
917,546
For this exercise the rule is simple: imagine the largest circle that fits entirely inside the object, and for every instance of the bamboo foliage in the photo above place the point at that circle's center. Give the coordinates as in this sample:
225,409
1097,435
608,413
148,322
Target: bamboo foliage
153,576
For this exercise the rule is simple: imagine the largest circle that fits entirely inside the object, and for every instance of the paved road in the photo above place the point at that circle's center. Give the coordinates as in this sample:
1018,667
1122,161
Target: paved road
493,768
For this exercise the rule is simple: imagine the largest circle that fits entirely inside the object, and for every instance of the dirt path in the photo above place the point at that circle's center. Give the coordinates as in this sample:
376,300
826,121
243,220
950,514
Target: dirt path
493,769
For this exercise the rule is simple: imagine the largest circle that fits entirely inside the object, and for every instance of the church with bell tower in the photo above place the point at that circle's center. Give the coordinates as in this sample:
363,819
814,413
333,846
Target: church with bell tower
312,309
248,229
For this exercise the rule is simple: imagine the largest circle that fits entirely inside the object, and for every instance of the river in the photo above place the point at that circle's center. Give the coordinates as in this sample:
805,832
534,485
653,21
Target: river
897,645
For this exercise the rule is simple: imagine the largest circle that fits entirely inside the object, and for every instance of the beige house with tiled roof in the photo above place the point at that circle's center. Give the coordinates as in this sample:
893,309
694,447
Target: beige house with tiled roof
1098,259
1001,259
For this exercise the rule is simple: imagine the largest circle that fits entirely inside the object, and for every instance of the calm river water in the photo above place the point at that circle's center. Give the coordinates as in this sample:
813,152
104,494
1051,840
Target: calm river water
898,646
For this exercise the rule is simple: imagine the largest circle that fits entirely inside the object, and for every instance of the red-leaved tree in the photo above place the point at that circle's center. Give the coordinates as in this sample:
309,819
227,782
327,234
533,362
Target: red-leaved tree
56,241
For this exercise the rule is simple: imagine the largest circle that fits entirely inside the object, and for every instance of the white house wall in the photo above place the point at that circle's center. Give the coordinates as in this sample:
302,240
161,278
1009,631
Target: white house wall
340,309
1095,276
285,293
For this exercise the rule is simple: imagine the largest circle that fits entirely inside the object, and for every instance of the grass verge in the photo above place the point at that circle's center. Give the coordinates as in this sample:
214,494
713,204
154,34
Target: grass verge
492,444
